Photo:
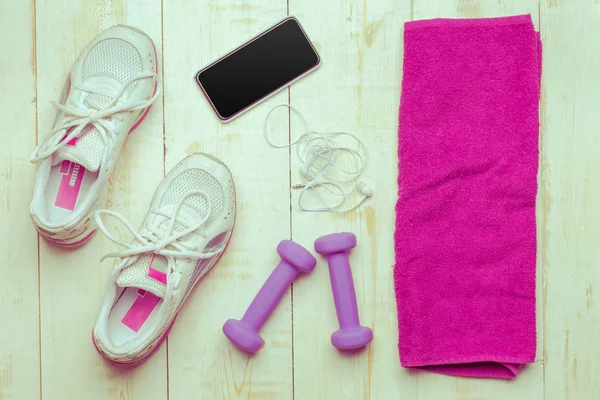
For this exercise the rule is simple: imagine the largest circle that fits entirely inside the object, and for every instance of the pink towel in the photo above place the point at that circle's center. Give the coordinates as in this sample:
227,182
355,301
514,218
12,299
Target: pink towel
465,228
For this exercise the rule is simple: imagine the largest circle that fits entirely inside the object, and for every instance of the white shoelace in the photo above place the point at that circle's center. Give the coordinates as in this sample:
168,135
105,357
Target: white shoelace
153,241
94,115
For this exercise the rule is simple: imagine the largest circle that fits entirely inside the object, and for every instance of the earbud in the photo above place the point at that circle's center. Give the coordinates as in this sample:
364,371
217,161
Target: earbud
364,189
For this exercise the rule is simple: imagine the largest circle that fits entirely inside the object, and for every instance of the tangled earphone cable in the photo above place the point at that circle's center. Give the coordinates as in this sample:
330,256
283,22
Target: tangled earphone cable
319,166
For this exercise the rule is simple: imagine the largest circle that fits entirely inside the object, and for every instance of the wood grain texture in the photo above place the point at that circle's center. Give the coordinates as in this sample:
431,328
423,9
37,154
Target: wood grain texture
528,386
19,331
356,89
361,49
73,281
571,161
202,363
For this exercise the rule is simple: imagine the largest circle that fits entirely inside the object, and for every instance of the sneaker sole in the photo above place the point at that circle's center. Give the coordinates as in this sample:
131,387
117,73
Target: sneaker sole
70,245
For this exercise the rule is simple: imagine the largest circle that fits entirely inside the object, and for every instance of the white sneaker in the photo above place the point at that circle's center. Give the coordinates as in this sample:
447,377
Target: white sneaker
112,85
184,234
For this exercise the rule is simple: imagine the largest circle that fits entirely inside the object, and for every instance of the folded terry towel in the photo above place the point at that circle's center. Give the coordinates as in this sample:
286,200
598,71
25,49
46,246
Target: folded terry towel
465,220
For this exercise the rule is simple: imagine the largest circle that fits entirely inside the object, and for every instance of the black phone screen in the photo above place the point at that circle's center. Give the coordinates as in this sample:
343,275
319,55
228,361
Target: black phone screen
258,68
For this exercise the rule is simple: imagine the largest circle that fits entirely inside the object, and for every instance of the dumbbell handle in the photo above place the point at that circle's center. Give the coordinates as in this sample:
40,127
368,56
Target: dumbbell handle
342,285
270,294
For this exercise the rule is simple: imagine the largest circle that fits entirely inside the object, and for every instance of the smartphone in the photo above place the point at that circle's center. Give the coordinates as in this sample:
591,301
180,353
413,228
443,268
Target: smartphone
258,69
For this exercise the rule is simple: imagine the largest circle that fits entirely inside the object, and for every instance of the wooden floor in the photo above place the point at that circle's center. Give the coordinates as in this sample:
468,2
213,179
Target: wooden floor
49,298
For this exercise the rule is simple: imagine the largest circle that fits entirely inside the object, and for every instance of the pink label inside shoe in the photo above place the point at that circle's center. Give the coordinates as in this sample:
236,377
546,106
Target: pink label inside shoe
70,185
140,310
144,303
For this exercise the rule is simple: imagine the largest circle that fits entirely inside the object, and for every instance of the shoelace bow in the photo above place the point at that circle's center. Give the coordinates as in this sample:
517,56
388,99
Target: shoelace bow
94,115
152,241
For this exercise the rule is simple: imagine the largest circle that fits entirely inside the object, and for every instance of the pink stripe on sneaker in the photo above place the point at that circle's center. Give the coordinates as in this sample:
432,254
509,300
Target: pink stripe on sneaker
157,275
140,310
70,185
74,140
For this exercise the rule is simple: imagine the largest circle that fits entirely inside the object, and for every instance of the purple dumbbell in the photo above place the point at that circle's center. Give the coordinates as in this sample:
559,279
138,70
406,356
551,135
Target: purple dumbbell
351,334
244,333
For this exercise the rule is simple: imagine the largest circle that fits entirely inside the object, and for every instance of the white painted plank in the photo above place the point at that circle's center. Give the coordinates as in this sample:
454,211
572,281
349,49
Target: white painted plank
570,162
474,9
528,386
357,89
19,335
202,362
73,281
359,86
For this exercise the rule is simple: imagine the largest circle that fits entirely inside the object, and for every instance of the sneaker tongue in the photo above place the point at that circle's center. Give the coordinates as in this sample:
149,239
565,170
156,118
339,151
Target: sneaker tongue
148,272
85,150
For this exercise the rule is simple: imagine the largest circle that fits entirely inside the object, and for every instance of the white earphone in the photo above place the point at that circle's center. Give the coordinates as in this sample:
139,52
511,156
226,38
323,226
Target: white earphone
319,167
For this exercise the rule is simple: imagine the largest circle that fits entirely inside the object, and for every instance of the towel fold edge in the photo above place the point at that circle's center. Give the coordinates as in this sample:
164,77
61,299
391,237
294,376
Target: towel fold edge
493,370
466,360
